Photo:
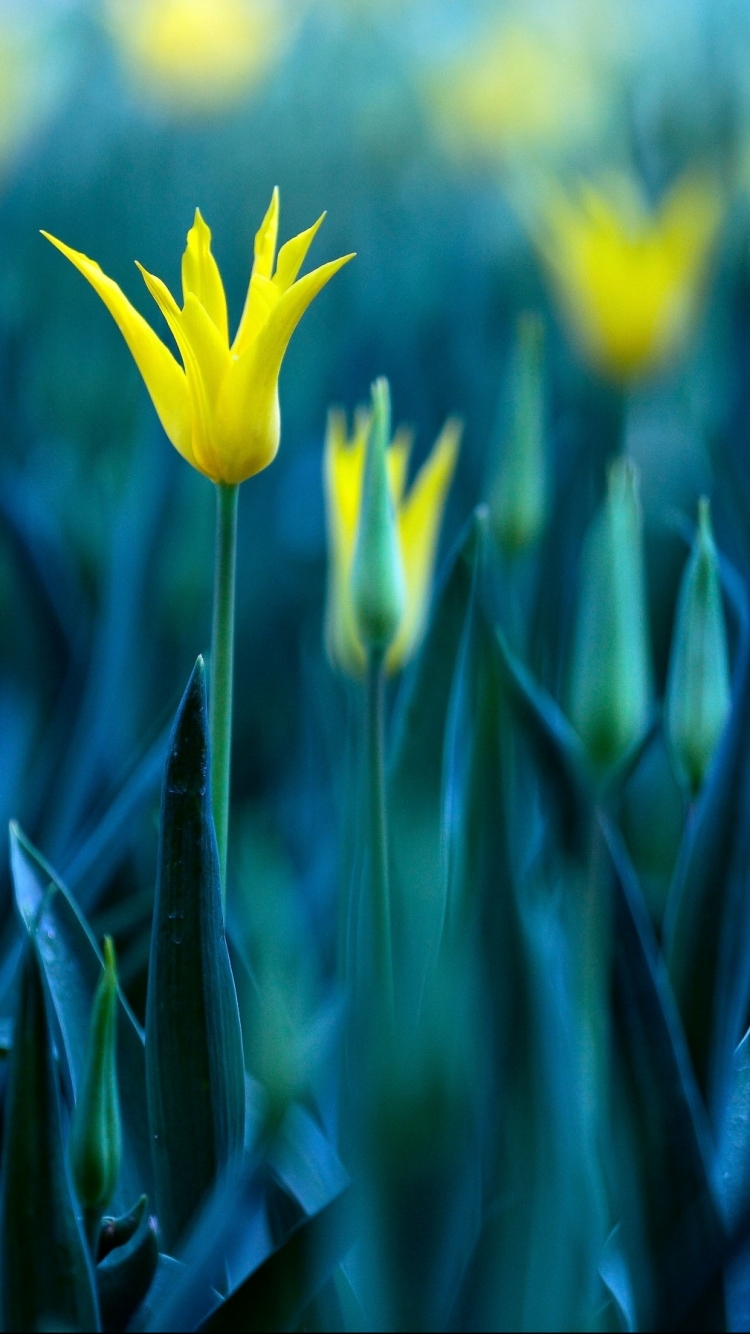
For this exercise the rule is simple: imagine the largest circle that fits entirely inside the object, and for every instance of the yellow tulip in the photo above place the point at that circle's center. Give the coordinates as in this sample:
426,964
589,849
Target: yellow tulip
220,409
630,279
516,89
418,516
198,53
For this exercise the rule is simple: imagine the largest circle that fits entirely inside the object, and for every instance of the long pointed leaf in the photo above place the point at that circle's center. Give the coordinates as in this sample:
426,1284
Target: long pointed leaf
46,1276
194,1060
671,1226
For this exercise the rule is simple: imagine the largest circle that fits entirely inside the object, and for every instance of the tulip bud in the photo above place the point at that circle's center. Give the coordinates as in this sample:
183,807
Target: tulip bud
377,572
698,687
518,495
610,679
95,1137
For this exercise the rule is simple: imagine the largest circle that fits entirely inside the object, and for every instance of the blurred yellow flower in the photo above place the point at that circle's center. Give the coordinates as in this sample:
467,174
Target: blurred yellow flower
220,409
516,88
630,279
418,516
198,53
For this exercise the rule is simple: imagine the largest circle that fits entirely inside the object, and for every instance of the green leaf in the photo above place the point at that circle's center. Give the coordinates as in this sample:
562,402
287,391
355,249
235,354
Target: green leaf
72,966
125,1275
47,1281
535,1261
707,919
194,1059
276,1294
671,1225
557,750
734,1185
415,777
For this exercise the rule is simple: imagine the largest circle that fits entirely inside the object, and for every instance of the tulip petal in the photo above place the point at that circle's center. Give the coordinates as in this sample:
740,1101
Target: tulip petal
205,457
248,421
256,300
266,236
267,353
261,298
201,277
419,525
398,463
163,376
343,470
292,256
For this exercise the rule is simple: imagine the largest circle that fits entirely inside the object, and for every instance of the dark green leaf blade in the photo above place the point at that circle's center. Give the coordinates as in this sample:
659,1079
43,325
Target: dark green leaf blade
72,965
276,1294
194,1058
671,1224
47,1280
415,770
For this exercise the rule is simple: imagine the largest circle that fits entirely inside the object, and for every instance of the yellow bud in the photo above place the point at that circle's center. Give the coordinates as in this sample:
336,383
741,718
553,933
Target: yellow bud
377,573
610,678
698,686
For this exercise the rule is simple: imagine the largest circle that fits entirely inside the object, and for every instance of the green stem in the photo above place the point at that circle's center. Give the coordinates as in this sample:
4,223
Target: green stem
378,835
222,667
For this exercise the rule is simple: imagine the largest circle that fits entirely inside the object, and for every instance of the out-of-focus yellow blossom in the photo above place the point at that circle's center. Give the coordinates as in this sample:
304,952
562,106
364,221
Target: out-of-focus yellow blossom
517,88
198,53
34,71
418,516
630,279
220,408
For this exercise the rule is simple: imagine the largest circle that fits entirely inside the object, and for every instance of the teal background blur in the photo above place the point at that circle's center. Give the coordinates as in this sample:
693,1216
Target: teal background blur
106,535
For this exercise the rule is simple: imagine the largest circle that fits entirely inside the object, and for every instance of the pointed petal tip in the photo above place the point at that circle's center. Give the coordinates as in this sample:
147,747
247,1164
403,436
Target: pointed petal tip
110,958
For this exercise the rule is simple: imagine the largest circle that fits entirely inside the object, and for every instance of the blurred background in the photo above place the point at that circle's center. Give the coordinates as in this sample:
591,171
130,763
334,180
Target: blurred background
430,130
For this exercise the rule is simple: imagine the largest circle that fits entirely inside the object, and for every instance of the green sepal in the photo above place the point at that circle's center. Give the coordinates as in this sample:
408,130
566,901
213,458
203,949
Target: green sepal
46,1279
610,687
95,1144
377,572
699,695
518,498
125,1275
194,1059
72,966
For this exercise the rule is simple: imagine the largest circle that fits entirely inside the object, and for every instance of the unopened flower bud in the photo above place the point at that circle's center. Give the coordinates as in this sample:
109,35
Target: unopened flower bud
95,1135
377,574
610,679
519,492
698,686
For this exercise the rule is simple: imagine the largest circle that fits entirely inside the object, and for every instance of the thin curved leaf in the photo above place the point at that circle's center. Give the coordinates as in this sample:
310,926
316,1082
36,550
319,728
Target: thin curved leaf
415,771
72,966
672,1229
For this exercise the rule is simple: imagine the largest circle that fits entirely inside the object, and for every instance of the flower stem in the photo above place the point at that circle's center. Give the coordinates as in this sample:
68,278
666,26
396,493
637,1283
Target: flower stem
378,834
222,667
